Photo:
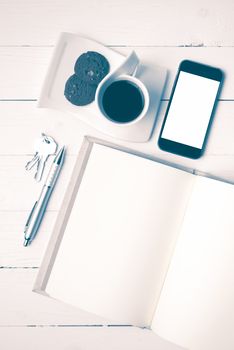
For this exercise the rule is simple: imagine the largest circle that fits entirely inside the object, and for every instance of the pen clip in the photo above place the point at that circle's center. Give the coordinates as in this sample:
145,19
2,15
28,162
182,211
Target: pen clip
30,216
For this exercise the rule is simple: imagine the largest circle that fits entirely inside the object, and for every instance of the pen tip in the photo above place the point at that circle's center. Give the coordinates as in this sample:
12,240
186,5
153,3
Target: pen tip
26,242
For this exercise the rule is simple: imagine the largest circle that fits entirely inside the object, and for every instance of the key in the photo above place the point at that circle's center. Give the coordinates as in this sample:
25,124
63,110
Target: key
47,147
36,157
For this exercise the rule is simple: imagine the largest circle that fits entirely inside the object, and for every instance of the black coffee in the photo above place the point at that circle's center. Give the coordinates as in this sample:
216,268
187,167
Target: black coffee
122,101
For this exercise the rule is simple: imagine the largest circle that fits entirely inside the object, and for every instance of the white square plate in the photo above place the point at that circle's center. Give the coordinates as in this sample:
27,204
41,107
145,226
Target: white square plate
69,47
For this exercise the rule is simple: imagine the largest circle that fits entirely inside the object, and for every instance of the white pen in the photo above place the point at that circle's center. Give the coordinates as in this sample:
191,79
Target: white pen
38,210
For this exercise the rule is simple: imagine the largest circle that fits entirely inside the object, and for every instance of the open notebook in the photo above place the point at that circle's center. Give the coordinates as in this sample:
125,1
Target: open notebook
143,243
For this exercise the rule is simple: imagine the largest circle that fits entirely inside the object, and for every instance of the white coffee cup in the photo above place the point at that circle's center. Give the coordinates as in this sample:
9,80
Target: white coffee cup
137,84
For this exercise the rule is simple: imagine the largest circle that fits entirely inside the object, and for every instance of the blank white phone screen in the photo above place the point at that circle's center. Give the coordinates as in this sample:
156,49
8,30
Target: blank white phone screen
190,110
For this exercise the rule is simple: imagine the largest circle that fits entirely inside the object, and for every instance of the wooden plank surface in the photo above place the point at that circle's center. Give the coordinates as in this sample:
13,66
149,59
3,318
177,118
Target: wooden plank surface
21,307
12,251
118,22
162,33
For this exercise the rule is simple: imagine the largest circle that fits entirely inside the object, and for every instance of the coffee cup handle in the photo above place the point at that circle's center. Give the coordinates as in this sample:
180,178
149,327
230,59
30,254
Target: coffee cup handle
129,66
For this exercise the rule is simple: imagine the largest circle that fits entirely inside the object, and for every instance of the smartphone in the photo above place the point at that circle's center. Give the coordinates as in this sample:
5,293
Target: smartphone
190,109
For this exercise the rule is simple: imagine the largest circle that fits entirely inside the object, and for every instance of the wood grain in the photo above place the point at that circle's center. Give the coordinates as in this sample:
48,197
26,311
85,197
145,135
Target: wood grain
12,252
115,22
162,33
20,306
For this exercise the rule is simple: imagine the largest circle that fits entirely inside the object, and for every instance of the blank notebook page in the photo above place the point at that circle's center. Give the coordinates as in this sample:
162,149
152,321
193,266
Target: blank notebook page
196,307
120,234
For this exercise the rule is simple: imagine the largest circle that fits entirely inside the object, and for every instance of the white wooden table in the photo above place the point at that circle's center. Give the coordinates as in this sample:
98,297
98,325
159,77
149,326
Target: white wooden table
162,32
